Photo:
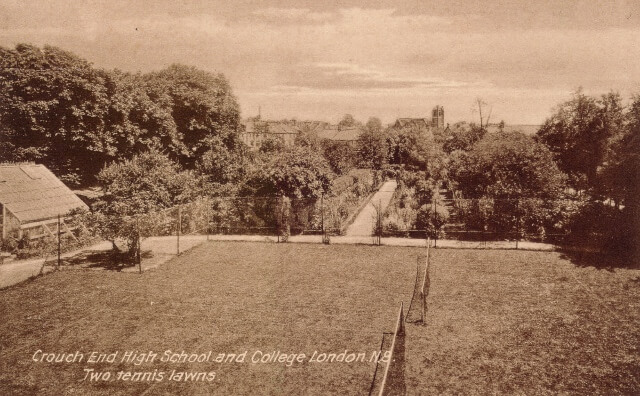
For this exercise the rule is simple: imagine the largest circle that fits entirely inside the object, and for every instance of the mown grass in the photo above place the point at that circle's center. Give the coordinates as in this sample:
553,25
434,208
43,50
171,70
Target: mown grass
512,322
499,322
223,297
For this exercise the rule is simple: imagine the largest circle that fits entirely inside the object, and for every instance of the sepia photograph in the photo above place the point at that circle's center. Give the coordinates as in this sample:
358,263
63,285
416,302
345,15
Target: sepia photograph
302,197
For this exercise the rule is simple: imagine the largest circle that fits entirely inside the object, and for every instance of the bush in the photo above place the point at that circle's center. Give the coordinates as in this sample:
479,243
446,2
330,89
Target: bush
432,220
596,225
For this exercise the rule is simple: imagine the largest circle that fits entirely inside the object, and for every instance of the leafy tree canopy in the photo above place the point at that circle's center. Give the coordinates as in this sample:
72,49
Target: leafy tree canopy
202,106
507,165
579,132
296,173
57,109
52,108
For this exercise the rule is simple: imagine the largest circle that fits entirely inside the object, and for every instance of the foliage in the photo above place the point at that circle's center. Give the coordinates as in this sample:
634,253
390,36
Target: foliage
432,218
461,136
348,121
272,145
341,157
400,216
296,173
52,108
348,192
508,165
373,148
411,147
579,132
146,184
202,106
307,138
57,109
220,165
594,224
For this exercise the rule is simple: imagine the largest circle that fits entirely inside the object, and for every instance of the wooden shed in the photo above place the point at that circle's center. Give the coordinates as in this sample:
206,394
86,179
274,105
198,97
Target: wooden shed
31,199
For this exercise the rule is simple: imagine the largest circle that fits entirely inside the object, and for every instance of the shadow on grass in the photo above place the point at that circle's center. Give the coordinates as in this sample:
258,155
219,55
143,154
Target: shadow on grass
608,261
111,260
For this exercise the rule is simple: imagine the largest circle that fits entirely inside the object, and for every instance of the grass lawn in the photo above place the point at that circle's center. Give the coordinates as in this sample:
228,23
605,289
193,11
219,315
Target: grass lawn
224,297
514,322
507,322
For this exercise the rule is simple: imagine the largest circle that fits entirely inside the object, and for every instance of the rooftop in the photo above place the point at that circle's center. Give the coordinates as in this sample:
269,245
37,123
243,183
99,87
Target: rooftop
32,192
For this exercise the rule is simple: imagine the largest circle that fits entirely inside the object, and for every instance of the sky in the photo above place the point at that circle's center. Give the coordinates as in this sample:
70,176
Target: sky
322,59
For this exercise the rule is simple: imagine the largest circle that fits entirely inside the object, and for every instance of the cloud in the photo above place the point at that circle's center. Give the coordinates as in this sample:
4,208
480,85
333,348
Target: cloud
338,76
274,14
391,60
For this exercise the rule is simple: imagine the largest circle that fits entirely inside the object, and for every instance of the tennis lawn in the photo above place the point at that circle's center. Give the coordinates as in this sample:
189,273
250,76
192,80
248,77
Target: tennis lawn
263,318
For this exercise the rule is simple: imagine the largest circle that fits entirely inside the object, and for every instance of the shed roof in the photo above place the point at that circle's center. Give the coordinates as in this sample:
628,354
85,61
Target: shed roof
33,193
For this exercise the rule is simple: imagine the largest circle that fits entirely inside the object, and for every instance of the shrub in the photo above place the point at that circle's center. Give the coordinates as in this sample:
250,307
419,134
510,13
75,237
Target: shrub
432,220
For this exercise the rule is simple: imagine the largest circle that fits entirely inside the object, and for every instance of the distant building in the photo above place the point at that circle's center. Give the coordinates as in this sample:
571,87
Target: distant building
437,117
31,199
346,135
435,122
257,131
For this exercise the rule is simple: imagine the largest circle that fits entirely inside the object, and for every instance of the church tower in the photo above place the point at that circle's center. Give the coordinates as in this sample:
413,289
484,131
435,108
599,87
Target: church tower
437,117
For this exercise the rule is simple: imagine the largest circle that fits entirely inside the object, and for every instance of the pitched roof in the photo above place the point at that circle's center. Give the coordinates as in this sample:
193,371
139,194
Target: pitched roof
281,128
415,122
32,193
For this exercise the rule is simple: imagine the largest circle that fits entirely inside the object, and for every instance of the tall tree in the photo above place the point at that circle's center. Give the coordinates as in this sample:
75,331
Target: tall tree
134,122
373,148
52,108
579,135
202,105
508,165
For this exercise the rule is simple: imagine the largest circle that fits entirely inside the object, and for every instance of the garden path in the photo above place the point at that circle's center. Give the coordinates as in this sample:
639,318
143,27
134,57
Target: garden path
366,219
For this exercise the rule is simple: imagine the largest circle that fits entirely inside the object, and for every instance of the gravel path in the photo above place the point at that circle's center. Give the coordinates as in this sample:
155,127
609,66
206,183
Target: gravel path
365,221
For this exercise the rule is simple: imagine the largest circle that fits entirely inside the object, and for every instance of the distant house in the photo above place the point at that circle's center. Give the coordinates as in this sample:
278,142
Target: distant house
346,135
31,198
435,122
257,131
420,123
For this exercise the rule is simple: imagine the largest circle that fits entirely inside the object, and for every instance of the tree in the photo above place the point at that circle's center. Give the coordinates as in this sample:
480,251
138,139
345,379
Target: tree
220,165
272,145
461,136
296,173
508,165
373,125
143,185
373,146
134,122
619,179
347,121
515,184
52,109
202,106
340,156
480,105
57,109
411,147
579,135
